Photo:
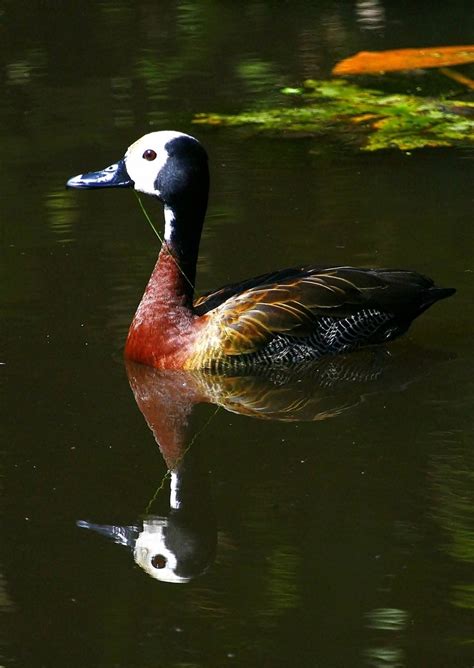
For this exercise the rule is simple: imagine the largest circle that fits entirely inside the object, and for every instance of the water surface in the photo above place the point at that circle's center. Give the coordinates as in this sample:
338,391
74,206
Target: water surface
341,540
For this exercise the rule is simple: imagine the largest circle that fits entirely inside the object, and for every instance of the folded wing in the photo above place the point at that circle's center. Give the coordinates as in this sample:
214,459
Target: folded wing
292,302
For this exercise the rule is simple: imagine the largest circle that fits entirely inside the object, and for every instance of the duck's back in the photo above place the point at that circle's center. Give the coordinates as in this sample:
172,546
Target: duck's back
300,314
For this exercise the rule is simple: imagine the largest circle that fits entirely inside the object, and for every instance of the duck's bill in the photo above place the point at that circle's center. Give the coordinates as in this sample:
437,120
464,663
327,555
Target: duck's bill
115,176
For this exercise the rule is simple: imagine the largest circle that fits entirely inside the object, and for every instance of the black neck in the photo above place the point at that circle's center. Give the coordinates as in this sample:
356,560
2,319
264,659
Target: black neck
183,187
184,227
184,217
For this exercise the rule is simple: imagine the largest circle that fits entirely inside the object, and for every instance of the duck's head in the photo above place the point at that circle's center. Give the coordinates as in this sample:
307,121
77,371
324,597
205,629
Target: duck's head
171,166
168,165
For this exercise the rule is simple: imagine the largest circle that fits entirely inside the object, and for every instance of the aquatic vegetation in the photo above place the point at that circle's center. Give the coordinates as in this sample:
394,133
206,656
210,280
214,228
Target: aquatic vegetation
369,119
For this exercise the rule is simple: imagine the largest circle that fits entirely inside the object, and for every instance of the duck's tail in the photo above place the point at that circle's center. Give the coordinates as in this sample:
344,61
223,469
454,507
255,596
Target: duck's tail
433,295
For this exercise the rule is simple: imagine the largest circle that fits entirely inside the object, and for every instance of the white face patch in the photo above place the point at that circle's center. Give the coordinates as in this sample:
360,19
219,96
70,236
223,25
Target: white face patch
142,171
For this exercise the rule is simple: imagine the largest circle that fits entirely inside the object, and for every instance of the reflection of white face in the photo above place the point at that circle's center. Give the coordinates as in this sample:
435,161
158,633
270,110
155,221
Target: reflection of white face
146,157
151,553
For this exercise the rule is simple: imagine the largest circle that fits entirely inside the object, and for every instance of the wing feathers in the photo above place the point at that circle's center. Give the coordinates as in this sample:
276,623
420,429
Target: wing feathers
247,316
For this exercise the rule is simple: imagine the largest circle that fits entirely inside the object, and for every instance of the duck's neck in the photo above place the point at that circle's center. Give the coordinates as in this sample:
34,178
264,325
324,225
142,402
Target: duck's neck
170,286
172,281
164,316
180,248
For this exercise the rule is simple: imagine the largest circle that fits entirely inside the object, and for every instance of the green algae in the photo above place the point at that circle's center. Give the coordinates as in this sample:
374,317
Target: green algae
368,118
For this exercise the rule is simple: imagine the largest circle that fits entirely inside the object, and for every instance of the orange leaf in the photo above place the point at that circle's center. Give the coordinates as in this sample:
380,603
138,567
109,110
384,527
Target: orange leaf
371,62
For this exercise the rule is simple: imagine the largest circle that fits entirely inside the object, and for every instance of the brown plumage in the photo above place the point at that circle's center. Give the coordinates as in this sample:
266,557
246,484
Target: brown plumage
286,317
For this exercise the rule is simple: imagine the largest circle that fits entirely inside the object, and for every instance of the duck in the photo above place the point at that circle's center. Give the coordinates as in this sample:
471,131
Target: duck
287,317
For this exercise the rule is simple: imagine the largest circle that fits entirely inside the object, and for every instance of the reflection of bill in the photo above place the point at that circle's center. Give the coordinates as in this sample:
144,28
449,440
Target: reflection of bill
181,545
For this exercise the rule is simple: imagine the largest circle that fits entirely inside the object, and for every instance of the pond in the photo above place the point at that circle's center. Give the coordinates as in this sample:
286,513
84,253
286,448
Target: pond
323,520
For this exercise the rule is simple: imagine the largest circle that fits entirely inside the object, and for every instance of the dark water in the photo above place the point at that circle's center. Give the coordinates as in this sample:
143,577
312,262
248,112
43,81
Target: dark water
338,531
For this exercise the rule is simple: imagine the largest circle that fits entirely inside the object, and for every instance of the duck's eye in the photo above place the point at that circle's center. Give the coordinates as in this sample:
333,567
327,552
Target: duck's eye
158,561
149,154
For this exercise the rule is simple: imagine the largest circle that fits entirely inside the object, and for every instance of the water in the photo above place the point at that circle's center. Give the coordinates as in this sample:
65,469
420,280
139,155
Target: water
342,540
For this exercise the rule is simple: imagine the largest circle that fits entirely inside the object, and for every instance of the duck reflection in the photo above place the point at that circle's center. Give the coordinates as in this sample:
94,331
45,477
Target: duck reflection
181,545
310,392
